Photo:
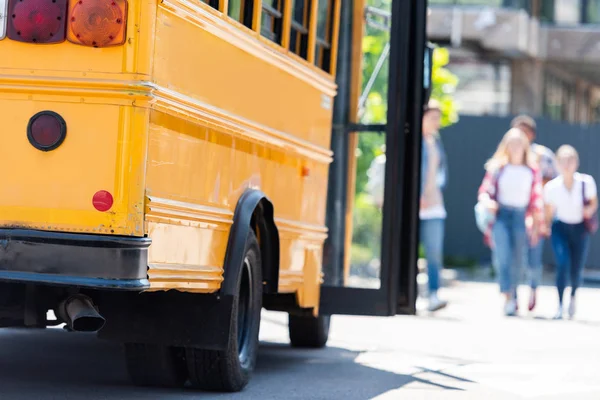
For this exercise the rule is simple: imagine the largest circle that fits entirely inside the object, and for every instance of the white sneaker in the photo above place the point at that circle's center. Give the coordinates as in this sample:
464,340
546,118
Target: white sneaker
572,307
559,313
510,308
435,303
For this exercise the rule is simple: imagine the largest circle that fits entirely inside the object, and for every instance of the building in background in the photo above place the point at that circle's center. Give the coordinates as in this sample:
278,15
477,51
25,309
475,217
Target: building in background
541,57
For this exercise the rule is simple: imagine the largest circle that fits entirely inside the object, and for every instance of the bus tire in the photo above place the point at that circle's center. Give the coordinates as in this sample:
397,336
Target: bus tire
308,331
230,370
155,365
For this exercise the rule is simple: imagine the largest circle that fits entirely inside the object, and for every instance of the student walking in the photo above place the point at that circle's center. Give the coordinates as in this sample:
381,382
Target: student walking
546,162
511,191
432,211
571,203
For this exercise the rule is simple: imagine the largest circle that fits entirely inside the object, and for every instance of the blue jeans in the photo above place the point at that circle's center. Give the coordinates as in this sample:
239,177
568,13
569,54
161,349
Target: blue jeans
534,262
510,244
432,238
570,243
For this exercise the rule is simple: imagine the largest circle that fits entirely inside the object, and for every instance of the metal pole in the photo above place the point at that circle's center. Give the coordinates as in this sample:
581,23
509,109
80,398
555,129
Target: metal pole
365,94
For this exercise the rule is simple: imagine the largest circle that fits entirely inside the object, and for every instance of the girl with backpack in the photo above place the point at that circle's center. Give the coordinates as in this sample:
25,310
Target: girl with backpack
571,205
511,193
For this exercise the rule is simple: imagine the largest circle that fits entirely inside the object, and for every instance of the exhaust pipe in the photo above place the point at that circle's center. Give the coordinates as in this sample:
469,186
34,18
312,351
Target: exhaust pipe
80,315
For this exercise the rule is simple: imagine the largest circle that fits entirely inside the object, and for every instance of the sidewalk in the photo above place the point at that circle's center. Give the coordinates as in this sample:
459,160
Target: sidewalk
483,274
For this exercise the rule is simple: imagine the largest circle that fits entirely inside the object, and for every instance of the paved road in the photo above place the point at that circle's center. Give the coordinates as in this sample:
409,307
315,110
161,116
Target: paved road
468,351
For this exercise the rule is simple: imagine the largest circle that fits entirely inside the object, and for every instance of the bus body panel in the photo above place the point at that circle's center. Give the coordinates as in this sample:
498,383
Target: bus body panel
177,123
54,190
99,94
221,124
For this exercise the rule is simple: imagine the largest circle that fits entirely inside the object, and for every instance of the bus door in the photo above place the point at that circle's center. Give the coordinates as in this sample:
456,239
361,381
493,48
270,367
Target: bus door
370,257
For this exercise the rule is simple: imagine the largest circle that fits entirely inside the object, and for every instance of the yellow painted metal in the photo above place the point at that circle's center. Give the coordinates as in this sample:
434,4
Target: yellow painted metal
312,29
54,190
337,4
356,77
193,110
224,6
287,23
256,15
94,90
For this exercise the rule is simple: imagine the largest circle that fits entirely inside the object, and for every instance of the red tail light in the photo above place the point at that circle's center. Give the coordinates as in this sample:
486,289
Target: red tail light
37,21
46,131
97,23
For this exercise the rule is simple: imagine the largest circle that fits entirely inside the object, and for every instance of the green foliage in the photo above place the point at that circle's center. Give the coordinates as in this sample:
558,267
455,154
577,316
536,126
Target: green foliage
444,85
367,223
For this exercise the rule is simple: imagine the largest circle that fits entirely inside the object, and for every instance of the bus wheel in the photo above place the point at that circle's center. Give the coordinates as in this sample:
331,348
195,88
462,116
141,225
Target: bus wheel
155,365
309,331
230,370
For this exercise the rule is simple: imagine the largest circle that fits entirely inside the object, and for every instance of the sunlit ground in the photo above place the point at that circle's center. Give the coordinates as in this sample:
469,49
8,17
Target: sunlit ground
467,351
471,351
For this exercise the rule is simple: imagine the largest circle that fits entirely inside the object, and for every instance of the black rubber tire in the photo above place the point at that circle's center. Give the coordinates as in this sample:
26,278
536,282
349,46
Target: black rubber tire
155,365
308,331
225,371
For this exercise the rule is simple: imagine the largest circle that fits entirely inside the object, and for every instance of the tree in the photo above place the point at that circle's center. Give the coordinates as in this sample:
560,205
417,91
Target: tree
444,84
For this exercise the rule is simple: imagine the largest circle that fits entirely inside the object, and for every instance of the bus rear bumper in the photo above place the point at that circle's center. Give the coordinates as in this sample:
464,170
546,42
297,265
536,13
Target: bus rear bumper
71,259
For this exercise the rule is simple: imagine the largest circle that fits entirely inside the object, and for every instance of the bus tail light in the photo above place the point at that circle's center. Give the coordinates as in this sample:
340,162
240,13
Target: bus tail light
37,21
97,23
46,130
3,12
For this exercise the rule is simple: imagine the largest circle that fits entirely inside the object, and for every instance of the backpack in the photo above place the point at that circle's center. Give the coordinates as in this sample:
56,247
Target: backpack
591,224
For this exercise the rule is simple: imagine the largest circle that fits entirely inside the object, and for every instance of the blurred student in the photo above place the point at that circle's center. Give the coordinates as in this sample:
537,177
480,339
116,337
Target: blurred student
432,213
547,165
511,191
571,204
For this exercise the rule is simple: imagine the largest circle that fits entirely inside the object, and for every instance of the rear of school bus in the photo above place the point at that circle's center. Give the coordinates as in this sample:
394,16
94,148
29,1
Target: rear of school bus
108,144
73,121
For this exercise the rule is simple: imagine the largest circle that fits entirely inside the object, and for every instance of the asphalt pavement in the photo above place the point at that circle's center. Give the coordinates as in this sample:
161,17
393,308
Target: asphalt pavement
467,351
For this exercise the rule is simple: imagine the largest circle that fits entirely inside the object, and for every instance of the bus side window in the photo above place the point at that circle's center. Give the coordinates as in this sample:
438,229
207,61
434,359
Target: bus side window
212,3
271,26
300,25
241,11
325,14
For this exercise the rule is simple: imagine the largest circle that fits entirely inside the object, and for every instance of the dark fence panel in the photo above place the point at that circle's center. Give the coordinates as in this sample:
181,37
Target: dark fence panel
469,143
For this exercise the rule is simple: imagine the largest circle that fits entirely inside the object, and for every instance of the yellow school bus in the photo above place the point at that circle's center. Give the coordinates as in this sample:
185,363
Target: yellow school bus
172,167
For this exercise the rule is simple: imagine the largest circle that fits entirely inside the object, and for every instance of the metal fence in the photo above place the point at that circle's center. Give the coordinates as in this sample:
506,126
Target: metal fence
469,143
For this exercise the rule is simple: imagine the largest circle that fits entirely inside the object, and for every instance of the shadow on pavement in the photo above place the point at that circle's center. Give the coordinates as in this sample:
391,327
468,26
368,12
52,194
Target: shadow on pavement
52,364
329,373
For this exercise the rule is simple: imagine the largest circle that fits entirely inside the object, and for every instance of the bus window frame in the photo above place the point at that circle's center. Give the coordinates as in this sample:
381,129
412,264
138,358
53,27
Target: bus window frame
305,51
324,45
212,3
275,32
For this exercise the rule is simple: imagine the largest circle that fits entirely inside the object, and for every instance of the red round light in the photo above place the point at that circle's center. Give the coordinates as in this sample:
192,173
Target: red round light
46,131
37,21
102,200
